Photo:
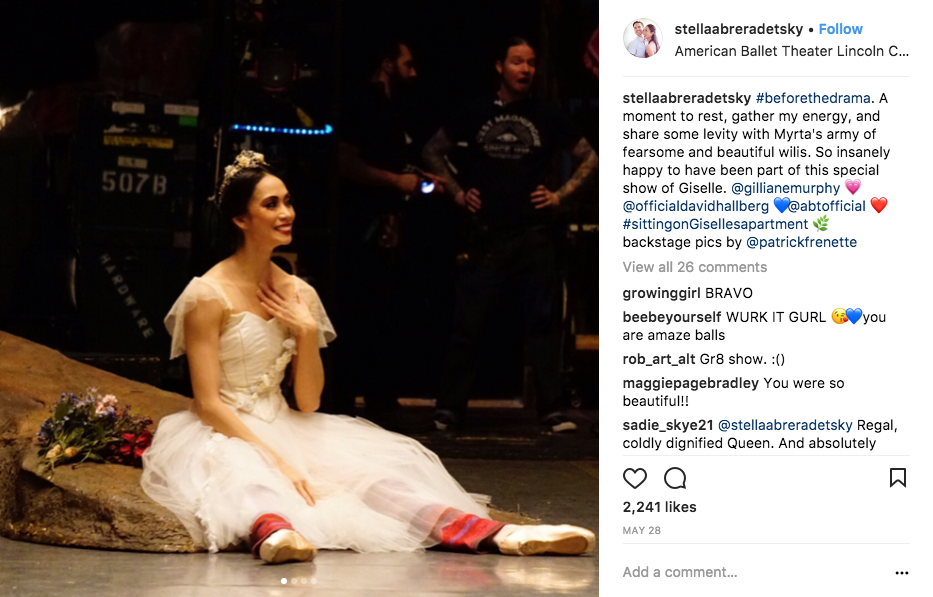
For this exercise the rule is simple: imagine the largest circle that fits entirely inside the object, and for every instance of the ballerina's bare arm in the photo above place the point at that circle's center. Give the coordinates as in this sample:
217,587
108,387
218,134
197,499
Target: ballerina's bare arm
285,304
202,340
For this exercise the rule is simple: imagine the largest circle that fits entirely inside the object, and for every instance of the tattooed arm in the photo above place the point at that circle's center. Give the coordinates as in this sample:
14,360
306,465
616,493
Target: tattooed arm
435,156
350,165
587,166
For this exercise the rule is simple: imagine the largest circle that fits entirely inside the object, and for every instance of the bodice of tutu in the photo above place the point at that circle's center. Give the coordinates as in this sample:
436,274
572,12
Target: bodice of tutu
254,352
253,356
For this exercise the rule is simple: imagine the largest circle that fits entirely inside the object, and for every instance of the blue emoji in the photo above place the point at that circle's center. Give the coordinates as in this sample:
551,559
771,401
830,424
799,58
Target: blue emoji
853,315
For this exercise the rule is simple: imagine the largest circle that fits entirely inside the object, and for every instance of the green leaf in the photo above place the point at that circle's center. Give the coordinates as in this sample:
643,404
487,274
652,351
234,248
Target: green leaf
60,411
76,434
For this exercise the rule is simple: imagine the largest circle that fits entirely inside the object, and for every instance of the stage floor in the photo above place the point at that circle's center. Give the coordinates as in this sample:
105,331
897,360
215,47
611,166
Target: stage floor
553,492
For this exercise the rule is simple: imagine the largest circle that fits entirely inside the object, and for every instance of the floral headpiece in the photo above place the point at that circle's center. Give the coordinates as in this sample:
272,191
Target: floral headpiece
246,160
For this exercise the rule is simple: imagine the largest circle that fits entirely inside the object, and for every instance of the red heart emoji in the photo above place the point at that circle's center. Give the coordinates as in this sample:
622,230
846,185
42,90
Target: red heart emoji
878,204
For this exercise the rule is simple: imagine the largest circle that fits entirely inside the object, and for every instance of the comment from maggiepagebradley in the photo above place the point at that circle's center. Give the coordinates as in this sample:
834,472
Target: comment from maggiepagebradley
767,258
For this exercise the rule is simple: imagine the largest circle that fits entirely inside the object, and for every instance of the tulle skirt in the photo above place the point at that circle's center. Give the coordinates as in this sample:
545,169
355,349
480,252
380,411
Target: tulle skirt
375,490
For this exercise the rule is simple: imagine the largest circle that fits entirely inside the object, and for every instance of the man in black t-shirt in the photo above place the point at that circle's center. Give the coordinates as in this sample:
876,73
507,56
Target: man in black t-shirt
503,147
373,157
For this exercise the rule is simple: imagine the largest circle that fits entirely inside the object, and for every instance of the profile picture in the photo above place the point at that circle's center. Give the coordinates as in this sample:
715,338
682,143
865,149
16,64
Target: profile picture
642,38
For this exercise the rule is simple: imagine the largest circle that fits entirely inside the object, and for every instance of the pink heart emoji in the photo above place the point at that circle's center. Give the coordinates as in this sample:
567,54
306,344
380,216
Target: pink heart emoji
879,204
853,185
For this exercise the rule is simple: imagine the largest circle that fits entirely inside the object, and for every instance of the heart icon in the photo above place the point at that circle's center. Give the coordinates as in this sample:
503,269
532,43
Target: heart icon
635,477
853,185
853,315
878,204
782,204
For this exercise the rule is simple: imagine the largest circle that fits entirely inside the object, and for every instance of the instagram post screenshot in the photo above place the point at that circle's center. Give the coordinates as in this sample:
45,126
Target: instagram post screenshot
764,264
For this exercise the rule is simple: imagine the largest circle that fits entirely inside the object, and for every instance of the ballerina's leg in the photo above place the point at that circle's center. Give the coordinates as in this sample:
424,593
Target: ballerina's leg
455,530
442,525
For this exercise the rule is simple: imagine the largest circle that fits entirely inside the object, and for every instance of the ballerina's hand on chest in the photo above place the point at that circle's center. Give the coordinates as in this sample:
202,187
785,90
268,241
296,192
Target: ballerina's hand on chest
288,309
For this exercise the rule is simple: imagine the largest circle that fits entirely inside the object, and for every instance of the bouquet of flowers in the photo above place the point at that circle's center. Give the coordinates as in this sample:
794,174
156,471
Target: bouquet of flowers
92,427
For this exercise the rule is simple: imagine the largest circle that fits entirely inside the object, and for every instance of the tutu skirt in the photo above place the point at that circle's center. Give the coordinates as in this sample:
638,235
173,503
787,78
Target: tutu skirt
375,490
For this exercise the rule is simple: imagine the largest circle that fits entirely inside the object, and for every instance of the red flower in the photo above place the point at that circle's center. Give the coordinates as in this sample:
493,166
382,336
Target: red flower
131,451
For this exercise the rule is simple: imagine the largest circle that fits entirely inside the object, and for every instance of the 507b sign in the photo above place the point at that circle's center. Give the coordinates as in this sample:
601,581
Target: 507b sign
134,183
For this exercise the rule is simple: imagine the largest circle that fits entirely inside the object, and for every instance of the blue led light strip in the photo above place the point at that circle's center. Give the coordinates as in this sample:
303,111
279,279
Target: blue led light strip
327,130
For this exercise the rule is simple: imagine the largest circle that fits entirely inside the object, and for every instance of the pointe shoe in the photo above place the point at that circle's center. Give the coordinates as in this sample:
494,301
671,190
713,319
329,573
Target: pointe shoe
286,546
530,540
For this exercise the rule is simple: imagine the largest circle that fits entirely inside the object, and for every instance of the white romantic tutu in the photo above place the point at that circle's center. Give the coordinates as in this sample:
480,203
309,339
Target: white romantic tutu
375,490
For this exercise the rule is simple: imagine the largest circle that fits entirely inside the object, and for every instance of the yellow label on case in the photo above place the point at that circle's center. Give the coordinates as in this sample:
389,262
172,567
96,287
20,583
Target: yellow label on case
127,141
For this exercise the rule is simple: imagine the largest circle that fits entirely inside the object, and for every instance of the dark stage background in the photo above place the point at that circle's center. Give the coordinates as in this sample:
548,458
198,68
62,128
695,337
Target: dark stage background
90,262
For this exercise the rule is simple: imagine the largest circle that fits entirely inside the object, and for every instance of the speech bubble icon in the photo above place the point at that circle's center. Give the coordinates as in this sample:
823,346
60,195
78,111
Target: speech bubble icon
675,478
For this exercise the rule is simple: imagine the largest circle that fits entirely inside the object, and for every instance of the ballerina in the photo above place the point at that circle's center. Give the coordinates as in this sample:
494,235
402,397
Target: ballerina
241,465
651,41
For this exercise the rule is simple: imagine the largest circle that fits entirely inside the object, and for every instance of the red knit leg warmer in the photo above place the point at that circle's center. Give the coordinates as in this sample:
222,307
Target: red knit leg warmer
458,531
264,526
